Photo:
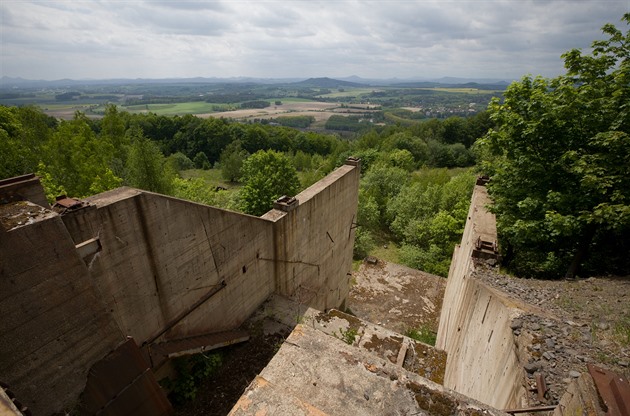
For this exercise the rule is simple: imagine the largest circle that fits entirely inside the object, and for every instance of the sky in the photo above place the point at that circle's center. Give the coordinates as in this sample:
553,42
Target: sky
406,39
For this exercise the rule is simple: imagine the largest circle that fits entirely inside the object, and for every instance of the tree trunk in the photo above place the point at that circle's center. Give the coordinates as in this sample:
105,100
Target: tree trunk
580,254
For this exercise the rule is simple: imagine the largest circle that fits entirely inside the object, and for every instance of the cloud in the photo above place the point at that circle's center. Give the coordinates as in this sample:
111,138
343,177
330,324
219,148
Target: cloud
395,38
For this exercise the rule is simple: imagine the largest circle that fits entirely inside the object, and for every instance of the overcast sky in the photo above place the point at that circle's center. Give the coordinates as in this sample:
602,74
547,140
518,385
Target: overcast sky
419,39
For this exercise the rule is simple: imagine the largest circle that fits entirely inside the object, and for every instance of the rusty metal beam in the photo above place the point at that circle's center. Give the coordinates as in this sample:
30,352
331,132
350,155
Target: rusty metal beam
614,390
530,409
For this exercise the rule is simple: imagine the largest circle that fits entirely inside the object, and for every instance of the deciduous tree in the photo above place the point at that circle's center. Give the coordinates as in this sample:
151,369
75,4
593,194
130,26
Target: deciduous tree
267,176
559,157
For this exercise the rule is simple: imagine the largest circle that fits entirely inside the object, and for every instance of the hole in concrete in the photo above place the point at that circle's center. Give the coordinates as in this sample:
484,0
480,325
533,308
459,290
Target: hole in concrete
244,269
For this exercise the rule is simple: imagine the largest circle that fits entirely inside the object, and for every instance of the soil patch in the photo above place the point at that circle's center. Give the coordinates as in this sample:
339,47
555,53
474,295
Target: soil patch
240,365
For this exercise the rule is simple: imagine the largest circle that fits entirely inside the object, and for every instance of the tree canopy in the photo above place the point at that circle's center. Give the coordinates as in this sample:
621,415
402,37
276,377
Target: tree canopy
267,176
559,160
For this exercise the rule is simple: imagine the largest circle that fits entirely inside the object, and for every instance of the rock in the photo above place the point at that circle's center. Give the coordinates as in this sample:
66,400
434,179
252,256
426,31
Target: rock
531,367
550,343
548,355
623,363
516,324
535,327
574,374
602,325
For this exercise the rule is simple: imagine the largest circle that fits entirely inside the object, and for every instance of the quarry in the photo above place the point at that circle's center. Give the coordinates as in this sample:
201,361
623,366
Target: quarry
99,295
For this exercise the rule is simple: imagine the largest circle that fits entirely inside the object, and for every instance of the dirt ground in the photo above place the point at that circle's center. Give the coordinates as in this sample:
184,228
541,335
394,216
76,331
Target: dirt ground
240,365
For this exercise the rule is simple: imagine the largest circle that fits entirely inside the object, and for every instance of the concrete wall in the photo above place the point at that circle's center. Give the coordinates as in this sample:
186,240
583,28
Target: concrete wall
314,241
160,255
53,322
475,323
155,268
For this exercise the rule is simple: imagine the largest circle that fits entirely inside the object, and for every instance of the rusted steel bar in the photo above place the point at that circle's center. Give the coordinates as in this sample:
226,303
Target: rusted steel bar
530,409
541,386
187,312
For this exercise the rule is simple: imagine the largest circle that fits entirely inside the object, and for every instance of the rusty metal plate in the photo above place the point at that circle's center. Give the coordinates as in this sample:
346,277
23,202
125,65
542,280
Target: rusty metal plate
123,384
614,390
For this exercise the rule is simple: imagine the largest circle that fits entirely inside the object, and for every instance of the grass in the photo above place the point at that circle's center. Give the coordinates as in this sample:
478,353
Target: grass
211,176
348,92
422,334
191,107
348,336
622,331
386,249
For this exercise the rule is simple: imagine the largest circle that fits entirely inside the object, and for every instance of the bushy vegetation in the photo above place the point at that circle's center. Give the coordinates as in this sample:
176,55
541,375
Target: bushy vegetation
407,195
559,158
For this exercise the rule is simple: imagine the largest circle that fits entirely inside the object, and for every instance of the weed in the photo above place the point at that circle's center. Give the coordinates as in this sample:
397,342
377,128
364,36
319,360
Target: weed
422,334
622,331
191,371
349,335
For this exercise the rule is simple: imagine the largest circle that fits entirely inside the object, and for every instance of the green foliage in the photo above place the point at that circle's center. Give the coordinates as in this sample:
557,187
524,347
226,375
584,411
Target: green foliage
75,159
428,217
255,104
146,166
422,334
231,161
295,121
379,185
201,161
559,158
402,159
267,176
191,371
363,243
179,161
348,336
194,189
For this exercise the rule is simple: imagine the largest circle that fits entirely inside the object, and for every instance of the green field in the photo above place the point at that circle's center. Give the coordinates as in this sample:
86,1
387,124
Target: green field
350,92
473,91
171,109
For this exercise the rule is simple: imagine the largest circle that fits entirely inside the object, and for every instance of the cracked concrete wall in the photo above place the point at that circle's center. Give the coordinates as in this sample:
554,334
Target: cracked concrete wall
475,322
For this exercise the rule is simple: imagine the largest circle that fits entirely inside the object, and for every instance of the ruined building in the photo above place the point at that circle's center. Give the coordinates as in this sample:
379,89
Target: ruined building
97,295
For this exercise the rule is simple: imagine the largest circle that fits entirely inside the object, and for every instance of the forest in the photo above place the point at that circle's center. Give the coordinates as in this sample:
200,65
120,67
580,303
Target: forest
415,178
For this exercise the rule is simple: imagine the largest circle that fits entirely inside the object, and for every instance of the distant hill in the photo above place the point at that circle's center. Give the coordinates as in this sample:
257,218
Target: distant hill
474,85
326,83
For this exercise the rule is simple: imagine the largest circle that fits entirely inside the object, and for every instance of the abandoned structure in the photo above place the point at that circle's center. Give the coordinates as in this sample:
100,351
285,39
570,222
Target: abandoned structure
96,295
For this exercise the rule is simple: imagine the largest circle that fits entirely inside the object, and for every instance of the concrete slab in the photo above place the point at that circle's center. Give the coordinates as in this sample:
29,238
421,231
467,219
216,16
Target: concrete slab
316,374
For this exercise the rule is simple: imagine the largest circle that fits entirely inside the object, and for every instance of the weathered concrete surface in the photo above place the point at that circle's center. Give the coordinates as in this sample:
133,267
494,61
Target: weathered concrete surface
23,188
412,355
475,323
54,322
157,269
316,374
396,297
160,255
